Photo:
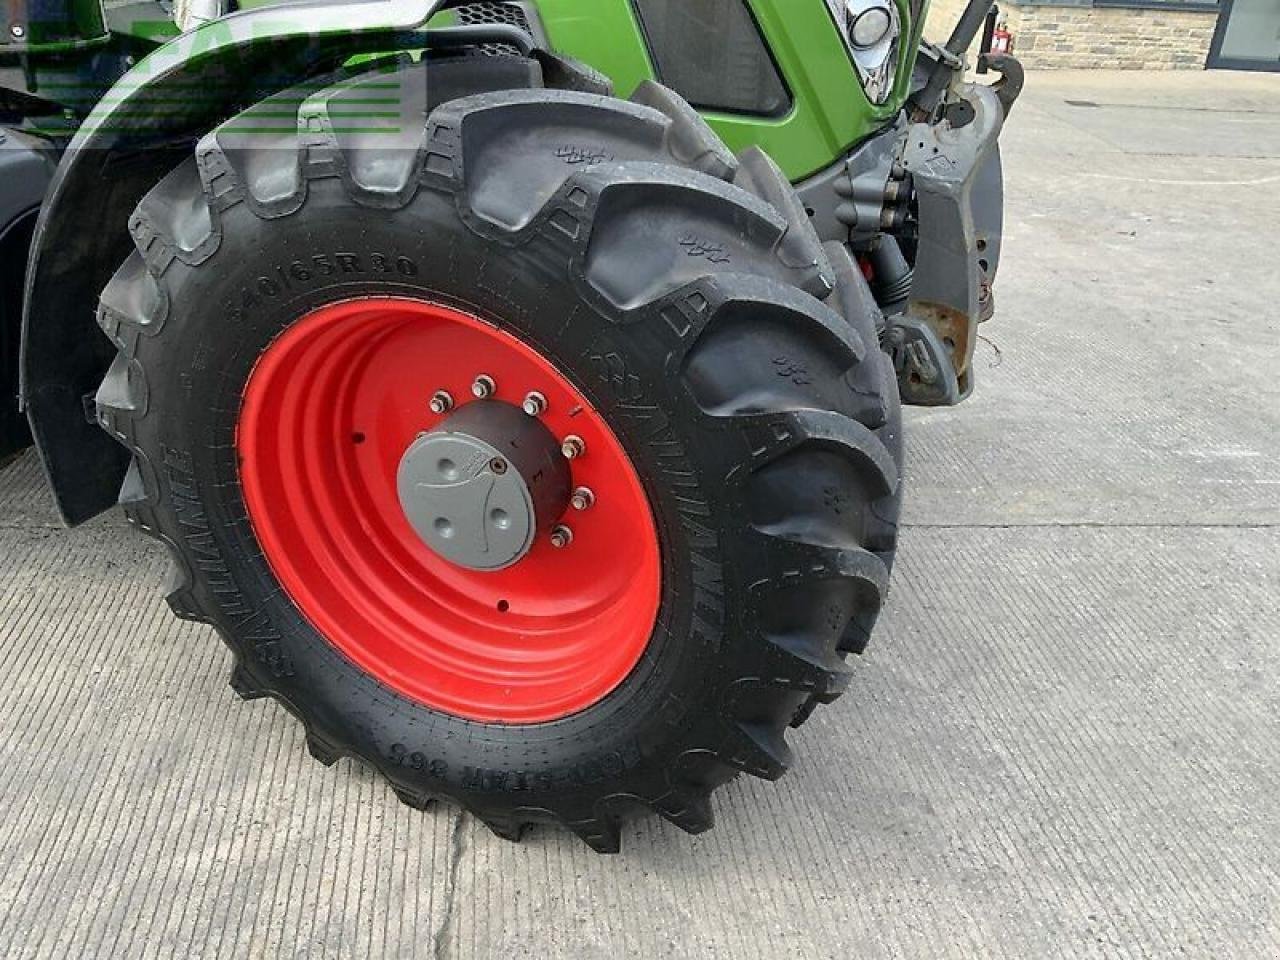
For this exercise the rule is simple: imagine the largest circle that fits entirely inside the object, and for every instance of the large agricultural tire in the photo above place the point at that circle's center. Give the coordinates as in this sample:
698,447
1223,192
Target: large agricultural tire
288,285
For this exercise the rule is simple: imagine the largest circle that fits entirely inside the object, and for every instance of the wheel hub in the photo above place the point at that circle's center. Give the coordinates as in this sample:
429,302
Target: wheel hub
479,487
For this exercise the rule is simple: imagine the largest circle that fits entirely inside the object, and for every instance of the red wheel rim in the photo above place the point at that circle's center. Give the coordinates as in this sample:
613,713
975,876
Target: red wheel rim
329,410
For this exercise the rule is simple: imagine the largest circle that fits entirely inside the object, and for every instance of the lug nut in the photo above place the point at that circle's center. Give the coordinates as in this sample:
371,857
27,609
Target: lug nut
583,498
441,402
561,536
484,387
573,447
534,404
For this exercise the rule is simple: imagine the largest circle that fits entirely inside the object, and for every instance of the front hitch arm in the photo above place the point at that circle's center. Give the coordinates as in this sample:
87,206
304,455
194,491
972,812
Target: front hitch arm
1012,77
951,165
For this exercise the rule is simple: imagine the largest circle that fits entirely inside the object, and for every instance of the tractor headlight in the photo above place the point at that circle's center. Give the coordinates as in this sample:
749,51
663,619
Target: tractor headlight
871,31
870,27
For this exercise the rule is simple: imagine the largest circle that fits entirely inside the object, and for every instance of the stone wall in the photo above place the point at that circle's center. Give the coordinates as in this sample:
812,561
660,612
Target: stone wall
943,15
1049,37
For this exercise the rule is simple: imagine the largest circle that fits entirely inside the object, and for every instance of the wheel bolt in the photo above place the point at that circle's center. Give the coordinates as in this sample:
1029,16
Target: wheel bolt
583,498
561,537
484,387
441,401
534,404
573,447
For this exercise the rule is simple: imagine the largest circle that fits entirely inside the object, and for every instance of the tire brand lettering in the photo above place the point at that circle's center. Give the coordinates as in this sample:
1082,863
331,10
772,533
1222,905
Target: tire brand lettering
254,626
677,475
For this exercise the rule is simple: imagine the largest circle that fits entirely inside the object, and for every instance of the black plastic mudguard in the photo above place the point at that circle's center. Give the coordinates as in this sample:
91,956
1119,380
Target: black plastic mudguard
143,128
26,167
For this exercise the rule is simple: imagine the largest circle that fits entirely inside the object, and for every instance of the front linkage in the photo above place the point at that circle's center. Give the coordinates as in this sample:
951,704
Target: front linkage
922,205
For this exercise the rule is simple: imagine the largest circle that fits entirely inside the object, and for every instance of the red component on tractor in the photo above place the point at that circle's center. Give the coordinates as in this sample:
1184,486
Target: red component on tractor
330,411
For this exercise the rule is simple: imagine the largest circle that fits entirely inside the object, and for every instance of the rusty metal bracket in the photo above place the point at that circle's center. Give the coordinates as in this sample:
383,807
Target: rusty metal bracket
951,285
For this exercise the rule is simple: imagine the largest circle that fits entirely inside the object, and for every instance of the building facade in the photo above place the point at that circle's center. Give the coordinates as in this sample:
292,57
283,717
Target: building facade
1135,34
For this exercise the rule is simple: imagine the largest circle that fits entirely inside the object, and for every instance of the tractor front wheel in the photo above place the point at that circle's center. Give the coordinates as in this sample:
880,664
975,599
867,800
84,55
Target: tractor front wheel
537,455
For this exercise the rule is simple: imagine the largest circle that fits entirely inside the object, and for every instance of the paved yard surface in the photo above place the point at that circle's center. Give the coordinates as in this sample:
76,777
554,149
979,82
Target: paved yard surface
1065,741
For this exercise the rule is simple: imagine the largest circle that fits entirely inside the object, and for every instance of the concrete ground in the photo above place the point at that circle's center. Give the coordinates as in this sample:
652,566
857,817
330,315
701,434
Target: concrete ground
1065,740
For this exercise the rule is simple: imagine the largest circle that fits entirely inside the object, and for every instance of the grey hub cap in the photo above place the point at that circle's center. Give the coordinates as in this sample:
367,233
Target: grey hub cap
482,485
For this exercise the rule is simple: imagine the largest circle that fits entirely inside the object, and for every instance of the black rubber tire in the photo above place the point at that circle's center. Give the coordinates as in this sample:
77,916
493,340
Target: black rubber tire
679,287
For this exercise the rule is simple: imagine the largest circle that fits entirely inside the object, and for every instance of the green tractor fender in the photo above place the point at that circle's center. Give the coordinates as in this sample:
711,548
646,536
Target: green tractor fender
144,126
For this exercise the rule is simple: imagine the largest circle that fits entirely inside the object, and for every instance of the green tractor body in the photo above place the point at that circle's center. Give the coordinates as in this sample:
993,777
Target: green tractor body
803,197
777,75
772,75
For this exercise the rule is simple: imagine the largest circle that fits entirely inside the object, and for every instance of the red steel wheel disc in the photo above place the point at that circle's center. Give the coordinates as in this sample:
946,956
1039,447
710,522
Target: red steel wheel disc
328,412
